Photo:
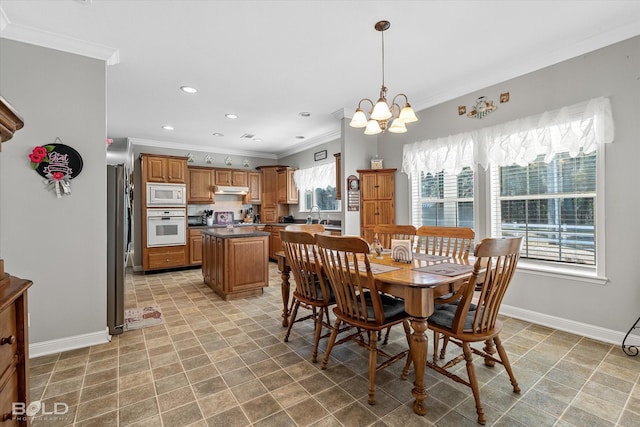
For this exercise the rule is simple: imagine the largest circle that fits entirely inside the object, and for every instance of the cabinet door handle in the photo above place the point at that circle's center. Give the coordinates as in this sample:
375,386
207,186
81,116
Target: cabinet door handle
8,340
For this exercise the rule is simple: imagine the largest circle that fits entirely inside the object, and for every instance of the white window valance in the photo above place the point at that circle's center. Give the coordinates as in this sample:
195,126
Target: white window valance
569,129
321,176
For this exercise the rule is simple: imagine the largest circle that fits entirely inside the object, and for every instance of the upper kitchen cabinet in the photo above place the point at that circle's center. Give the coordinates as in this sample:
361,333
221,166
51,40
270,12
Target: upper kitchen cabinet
166,169
231,177
254,196
271,209
287,191
200,188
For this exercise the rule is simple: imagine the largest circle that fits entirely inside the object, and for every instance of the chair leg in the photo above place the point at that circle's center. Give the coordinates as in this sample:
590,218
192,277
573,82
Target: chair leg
407,365
473,381
445,341
332,340
490,350
386,336
294,313
318,332
436,344
506,363
373,352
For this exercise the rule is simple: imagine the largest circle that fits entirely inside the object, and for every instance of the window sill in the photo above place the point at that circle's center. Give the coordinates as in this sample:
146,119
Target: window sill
575,274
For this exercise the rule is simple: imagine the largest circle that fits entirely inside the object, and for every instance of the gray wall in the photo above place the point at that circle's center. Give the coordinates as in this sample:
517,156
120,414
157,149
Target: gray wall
613,72
60,244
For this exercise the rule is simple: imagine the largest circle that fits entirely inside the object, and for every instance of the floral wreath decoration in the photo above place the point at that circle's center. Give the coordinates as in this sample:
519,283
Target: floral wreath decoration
58,164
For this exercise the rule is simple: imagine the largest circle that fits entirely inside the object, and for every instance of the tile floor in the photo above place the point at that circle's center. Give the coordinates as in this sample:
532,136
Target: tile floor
217,363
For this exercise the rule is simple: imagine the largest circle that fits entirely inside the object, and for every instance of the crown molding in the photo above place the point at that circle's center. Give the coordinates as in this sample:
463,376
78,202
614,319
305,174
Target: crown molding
312,142
199,148
48,39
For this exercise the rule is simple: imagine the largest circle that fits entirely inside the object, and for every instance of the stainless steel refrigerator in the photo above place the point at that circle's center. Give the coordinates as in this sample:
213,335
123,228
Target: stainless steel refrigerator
118,240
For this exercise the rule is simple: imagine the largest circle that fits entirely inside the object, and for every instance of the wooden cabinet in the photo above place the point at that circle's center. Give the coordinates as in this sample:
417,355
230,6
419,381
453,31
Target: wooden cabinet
338,157
254,196
14,348
235,267
231,177
377,204
271,209
200,187
275,242
195,246
166,169
287,191
165,257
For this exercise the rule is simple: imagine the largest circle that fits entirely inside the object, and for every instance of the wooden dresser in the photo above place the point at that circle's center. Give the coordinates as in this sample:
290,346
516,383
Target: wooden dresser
14,349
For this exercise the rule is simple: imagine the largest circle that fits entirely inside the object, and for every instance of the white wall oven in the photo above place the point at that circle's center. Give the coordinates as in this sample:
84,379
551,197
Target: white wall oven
166,227
166,194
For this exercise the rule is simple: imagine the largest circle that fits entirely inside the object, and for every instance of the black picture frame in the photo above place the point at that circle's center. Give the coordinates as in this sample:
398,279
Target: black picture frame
320,155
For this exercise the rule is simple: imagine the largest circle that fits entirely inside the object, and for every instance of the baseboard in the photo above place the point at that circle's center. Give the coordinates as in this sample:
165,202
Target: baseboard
137,268
68,343
590,331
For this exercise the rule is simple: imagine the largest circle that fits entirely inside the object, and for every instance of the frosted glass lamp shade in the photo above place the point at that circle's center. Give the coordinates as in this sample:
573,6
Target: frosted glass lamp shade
407,115
373,128
359,120
398,126
381,110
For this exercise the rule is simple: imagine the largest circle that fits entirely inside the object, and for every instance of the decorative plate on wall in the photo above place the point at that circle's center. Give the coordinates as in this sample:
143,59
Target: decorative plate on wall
61,158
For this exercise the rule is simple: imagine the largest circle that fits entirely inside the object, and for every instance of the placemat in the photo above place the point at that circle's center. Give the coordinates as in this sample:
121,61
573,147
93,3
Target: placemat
446,269
429,257
375,268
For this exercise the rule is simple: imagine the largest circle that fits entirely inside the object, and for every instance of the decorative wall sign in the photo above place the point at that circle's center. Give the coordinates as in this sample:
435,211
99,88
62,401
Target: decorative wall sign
58,163
320,155
353,193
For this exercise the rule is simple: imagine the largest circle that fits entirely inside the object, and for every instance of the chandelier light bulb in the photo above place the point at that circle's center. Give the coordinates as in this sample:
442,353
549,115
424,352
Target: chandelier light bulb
359,119
407,115
398,126
373,128
381,110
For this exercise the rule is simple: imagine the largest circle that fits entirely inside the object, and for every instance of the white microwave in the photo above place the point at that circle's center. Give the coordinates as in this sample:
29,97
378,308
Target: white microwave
166,194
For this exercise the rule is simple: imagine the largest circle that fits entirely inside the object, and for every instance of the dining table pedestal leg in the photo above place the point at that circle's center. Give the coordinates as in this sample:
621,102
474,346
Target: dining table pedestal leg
286,289
419,345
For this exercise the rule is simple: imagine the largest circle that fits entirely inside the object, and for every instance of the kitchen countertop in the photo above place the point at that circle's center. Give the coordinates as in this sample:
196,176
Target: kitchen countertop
225,233
243,224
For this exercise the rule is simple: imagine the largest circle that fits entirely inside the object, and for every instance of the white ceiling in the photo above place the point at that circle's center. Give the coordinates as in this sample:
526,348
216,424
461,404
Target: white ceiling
269,60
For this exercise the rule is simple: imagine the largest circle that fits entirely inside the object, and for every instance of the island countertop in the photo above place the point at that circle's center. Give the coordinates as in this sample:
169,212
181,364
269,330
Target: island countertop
235,232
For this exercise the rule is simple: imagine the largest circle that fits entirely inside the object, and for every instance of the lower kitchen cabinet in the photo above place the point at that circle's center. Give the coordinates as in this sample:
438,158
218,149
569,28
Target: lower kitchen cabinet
195,247
275,242
166,257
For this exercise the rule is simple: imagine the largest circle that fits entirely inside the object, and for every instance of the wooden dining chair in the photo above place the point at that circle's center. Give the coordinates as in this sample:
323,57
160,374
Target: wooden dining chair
309,228
312,291
387,232
358,302
464,322
445,241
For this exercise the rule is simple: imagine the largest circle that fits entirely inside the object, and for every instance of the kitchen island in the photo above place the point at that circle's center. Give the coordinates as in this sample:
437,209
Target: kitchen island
235,261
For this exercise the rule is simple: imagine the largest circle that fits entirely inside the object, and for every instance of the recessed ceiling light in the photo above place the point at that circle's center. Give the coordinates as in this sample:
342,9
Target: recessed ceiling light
167,127
299,137
188,89
305,114
218,134
231,116
257,139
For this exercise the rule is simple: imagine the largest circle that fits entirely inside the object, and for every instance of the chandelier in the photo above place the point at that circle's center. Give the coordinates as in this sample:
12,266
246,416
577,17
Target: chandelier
381,112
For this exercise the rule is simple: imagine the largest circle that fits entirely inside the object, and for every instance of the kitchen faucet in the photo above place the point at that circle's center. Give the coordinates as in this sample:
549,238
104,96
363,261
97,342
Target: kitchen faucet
317,208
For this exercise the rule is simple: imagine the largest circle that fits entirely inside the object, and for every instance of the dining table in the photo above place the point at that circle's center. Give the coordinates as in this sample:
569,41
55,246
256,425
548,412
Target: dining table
419,282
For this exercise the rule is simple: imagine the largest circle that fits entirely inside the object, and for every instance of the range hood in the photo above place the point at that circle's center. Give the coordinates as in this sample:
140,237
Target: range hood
223,189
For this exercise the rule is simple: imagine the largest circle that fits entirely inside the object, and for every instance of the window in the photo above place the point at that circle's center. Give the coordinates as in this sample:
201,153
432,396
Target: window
443,199
551,205
317,185
544,178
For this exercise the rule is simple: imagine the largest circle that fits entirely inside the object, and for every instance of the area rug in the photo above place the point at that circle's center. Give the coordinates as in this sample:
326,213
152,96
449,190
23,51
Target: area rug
136,318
